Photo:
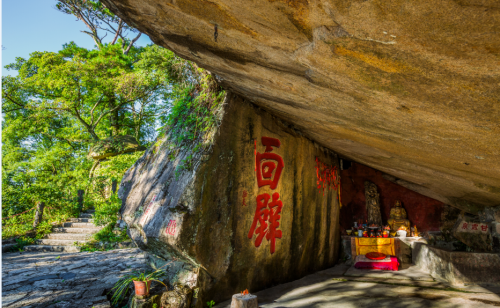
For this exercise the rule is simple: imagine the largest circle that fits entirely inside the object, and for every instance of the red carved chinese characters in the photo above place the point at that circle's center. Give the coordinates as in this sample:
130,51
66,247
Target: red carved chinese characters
261,216
172,224
267,162
473,227
274,216
267,213
327,175
268,167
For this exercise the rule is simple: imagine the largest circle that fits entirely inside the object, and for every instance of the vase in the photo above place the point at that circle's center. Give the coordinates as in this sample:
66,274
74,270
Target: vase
140,288
401,233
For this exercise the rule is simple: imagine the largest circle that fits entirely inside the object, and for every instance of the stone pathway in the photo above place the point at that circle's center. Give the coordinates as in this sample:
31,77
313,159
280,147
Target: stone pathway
331,288
63,239
60,280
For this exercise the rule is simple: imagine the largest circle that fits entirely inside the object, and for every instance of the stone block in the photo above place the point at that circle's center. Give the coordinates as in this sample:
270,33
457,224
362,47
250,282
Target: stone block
457,267
244,301
149,302
345,253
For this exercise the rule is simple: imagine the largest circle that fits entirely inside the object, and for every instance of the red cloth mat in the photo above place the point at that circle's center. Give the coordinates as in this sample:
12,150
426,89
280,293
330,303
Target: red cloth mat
390,263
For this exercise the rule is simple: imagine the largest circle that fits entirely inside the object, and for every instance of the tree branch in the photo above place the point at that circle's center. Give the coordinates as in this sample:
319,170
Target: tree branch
89,128
117,31
132,43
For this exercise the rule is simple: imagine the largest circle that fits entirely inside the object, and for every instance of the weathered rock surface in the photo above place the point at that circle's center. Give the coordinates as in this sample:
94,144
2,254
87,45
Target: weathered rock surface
408,88
60,280
195,211
179,297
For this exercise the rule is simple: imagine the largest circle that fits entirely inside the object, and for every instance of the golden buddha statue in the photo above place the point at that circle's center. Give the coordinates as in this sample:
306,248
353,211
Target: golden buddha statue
398,219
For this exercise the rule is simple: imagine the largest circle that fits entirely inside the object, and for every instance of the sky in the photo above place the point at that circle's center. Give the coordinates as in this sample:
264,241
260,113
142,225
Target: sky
35,25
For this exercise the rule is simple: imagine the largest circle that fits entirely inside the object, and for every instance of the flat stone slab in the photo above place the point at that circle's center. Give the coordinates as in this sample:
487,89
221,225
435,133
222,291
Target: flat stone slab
411,273
62,279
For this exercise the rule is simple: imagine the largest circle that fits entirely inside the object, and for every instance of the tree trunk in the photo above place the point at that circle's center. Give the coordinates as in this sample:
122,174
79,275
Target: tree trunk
80,199
113,118
114,183
38,214
373,204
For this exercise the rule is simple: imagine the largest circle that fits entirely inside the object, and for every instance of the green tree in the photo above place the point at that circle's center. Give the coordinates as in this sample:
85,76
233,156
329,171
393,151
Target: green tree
62,103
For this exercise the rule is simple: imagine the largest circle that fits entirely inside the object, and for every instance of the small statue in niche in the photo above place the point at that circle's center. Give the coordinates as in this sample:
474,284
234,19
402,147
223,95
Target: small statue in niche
372,204
398,219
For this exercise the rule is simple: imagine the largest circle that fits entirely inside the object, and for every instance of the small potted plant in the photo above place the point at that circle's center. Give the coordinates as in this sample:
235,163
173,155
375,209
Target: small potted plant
142,284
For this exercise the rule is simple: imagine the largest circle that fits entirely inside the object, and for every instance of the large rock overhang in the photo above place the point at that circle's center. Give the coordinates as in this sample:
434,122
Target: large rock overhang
409,88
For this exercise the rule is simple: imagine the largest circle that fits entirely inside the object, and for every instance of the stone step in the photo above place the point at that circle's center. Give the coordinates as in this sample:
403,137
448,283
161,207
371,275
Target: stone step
78,225
80,220
69,236
57,242
51,248
77,230
86,215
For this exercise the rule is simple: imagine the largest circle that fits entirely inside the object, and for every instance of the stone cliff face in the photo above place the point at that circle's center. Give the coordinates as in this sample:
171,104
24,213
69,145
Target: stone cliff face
408,88
242,212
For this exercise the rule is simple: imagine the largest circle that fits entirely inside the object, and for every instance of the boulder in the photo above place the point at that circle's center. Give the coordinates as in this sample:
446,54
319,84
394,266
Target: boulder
474,233
113,146
250,204
410,88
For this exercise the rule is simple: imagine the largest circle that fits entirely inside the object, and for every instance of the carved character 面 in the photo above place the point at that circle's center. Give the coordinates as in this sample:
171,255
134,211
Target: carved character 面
268,162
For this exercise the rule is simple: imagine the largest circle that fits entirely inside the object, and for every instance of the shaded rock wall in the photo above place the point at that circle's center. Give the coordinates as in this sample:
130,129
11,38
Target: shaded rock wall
408,88
422,211
202,216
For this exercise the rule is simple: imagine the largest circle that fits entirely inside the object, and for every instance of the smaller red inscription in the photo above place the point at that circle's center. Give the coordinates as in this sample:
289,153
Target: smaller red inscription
484,228
327,176
465,225
172,224
474,226
245,194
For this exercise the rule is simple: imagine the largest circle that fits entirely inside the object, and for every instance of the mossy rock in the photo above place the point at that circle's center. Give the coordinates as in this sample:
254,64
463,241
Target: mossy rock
113,146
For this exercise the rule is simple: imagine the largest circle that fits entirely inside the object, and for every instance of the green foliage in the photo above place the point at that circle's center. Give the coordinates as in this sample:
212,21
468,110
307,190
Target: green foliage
194,111
210,304
23,241
61,104
122,285
103,240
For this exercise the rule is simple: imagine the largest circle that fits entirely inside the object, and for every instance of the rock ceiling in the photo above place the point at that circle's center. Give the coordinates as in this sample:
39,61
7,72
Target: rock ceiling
411,88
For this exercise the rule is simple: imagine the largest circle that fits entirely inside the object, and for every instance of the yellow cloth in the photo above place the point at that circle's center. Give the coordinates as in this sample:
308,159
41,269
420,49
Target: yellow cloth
365,245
